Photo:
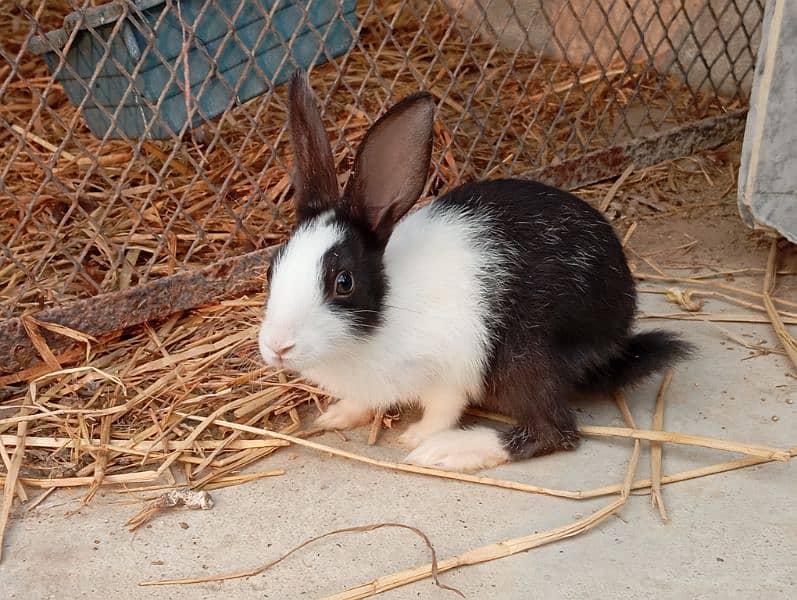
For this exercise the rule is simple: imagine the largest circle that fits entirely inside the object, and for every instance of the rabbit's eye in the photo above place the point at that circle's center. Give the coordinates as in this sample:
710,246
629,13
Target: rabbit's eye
344,284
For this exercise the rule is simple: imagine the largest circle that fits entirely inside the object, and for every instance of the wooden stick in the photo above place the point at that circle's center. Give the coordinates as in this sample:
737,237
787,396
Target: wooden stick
41,498
231,480
479,555
483,414
583,80
221,482
656,448
619,399
719,296
747,271
628,234
625,490
102,461
29,135
739,302
145,476
788,342
767,454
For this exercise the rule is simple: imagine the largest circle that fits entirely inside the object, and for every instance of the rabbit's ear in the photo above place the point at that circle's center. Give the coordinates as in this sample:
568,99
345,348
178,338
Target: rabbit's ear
391,165
314,181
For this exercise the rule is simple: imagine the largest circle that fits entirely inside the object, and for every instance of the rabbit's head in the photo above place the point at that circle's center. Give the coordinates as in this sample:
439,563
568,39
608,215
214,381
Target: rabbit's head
327,282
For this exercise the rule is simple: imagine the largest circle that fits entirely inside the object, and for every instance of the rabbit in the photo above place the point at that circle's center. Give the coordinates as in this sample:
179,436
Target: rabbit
507,294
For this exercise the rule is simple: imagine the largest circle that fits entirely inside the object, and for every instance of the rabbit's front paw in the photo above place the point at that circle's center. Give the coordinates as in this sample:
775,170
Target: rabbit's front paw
462,450
417,433
343,415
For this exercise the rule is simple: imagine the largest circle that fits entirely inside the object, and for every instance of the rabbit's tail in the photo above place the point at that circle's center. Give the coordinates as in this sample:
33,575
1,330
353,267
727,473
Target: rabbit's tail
645,354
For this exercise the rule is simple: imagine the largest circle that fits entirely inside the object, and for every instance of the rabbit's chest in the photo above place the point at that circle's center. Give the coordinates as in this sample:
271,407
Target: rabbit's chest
378,380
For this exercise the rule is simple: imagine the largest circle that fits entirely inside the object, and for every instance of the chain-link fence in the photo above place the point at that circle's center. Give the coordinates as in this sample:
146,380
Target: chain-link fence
143,140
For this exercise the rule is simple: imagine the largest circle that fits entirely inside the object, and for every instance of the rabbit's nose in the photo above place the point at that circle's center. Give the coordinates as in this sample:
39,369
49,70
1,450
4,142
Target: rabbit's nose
275,344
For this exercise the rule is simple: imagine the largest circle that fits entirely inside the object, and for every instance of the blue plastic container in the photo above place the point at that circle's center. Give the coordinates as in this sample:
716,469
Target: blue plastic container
264,29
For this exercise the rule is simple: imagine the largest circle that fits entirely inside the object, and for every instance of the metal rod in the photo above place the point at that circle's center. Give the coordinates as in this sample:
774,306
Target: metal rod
643,152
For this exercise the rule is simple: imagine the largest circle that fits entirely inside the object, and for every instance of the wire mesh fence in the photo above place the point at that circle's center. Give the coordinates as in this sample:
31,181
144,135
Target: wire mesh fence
142,139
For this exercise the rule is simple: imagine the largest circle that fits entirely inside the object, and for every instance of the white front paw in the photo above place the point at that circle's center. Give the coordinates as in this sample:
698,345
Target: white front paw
416,434
343,415
460,450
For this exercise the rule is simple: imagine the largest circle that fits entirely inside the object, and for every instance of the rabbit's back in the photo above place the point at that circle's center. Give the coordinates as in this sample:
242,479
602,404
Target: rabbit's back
565,280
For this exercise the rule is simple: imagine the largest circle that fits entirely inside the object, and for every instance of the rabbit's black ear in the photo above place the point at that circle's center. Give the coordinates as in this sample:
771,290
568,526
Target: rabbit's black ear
391,165
314,181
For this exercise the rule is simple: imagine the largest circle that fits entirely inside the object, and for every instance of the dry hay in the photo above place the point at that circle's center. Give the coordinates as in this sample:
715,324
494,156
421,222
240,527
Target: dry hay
81,217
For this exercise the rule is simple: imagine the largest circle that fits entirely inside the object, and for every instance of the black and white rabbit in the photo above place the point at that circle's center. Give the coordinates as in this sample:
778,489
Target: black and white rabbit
507,294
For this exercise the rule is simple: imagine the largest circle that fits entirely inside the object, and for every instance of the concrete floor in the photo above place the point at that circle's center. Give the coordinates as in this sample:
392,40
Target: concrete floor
730,536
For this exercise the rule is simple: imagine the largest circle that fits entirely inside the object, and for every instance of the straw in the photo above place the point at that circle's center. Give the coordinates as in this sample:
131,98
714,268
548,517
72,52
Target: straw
687,475
656,449
10,480
390,465
496,550
788,342
662,436
637,434
265,567
689,440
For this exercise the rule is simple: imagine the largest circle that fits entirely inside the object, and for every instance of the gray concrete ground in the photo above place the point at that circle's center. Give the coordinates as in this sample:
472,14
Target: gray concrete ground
732,535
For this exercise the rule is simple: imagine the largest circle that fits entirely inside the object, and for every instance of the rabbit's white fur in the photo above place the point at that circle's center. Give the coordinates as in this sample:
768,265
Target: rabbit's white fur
431,345
461,450
296,313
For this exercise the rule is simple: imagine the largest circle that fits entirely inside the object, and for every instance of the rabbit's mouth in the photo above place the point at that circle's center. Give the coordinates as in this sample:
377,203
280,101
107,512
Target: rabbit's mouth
282,356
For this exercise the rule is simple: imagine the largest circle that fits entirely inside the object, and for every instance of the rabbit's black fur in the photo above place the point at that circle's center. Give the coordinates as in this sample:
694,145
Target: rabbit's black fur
562,312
